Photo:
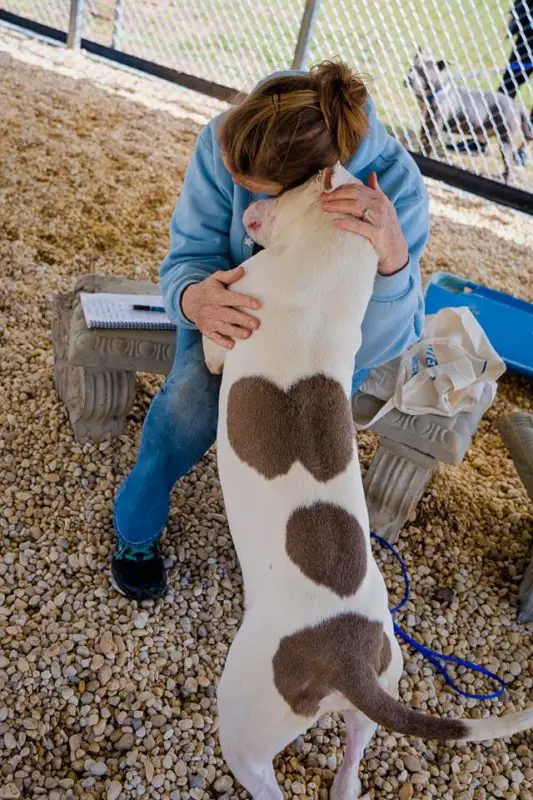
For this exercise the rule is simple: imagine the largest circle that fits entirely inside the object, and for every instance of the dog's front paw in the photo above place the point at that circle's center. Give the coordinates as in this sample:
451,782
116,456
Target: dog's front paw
214,356
215,367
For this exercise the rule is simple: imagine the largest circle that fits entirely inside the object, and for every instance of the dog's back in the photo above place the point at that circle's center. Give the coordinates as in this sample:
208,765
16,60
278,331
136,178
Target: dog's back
286,437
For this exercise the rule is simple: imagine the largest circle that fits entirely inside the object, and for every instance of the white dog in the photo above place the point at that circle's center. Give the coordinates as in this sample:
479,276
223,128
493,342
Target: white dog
317,635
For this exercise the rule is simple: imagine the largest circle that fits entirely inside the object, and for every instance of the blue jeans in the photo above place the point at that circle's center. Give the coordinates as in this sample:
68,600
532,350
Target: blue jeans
181,425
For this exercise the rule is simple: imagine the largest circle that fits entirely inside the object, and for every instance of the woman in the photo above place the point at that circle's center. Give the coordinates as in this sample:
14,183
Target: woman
285,131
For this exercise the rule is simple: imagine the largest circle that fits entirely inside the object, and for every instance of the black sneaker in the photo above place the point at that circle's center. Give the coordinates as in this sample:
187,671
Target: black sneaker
137,571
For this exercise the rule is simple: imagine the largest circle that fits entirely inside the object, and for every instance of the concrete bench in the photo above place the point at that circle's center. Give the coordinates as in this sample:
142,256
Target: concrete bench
95,376
94,370
516,429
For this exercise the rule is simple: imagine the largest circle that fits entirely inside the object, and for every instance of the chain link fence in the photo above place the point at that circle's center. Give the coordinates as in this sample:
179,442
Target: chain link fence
207,39
54,13
459,49
472,38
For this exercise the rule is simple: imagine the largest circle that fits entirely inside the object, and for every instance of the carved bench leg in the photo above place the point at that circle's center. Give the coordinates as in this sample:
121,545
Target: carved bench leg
98,401
525,594
394,484
516,429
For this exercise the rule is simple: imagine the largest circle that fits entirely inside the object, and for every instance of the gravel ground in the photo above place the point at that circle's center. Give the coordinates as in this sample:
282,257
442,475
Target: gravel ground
100,698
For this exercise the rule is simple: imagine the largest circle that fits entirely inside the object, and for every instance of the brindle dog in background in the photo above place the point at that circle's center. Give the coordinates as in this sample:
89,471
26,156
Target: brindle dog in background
448,108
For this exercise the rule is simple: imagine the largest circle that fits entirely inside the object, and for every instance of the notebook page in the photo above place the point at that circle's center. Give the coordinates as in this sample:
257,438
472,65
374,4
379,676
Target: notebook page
104,310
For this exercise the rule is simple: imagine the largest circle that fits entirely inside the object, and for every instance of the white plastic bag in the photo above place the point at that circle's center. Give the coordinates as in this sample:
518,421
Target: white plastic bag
444,373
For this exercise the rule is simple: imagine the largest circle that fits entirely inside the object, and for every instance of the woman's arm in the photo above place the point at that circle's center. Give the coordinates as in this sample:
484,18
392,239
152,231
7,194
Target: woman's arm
395,315
399,230
199,229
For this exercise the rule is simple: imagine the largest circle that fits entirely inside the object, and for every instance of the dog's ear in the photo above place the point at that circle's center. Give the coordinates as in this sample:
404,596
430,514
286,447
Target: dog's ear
442,64
341,176
337,176
326,178
332,178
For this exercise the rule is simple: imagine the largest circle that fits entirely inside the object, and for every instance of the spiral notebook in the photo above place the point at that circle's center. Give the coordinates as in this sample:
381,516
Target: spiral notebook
116,311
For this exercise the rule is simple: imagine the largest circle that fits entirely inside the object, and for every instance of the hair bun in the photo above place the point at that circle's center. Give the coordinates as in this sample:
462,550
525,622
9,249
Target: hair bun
341,95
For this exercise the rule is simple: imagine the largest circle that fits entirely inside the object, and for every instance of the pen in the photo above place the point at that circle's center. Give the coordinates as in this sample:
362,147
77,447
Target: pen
148,308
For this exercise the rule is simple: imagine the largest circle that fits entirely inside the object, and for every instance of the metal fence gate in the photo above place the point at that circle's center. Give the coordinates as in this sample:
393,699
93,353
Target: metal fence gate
218,46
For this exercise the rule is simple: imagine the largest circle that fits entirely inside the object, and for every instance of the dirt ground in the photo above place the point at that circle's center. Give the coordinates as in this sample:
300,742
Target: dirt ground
100,698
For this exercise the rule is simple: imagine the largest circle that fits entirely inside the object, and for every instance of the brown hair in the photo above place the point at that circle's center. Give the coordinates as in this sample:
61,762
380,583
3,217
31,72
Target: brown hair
290,127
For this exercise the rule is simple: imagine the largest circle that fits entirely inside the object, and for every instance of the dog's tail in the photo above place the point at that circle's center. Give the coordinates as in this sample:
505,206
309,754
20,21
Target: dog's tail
526,126
380,707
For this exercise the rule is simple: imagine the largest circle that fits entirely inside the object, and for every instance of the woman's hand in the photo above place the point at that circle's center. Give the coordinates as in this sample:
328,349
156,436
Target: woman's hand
214,309
373,216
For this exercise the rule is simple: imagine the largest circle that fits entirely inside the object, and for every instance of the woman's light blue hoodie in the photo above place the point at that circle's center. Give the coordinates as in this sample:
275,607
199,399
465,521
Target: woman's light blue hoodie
207,234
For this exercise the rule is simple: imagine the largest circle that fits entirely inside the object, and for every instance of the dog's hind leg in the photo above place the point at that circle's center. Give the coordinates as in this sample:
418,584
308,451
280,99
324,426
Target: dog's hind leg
506,130
507,151
246,739
257,778
255,721
359,732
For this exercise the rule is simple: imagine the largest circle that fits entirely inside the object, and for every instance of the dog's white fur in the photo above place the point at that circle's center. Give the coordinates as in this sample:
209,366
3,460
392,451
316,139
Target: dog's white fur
315,282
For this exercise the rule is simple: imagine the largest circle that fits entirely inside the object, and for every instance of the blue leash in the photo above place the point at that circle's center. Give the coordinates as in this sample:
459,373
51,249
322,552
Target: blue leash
431,655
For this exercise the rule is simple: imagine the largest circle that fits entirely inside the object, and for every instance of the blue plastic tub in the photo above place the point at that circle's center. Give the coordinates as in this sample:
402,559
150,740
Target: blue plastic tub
507,321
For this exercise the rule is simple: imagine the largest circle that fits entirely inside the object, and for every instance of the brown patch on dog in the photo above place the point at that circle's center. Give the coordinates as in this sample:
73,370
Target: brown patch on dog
270,428
313,662
346,654
328,545
385,655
